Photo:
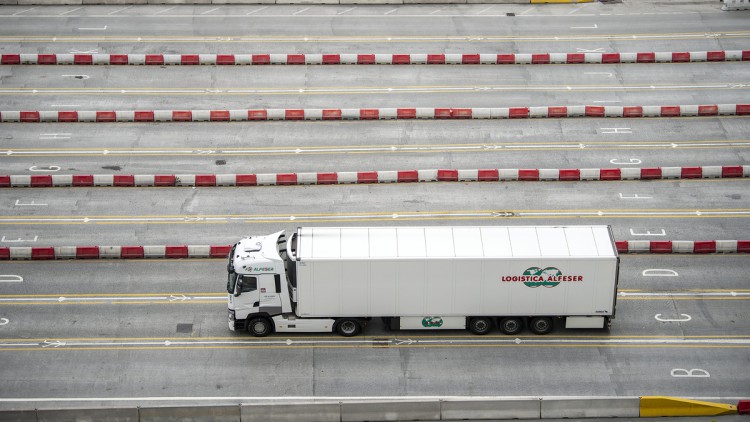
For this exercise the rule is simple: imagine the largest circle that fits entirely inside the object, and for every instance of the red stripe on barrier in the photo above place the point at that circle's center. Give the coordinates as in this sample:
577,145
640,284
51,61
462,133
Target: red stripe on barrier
118,59
731,171
715,56
649,173
165,180
743,407
528,175
42,253
691,172
332,114
143,116
295,59
447,175
680,57
401,59
67,116
83,180
106,116
124,180
610,57
245,180
190,59
4,253
225,59
219,251
29,116
610,174
4,181
294,114
328,178
219,115
743,246
569,174
742,109
670,111
708,110
131,252
436,59
41,180
442,113
704,246
488,175
10,59
257,115
622,246
470,59
367,177
365,59
83,59
205,180
461,113
87,252
261,59
660,246
408,176
632,111
369,114
557,111
286,179
182,116
518,112
575,58
594,111
406,113
331,59
506,59
154,59
645,57
176,252
46,59
540,58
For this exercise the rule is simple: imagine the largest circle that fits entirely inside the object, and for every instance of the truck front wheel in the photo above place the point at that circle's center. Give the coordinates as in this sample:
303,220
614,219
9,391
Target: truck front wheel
259,327
348,327
540,325
480,325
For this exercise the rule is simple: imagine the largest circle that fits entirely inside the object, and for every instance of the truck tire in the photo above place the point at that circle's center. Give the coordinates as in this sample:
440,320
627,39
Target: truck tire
511,325
348,327
540,325
480,325
259,327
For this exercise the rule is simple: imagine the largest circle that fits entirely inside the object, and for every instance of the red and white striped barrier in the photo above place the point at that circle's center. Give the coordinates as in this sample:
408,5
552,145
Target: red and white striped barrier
373,59
373,113
382,176
221,251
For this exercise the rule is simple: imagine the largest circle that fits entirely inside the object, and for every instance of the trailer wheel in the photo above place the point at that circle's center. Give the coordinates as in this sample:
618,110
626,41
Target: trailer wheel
480,325
540,325
259,327
348,327
511,326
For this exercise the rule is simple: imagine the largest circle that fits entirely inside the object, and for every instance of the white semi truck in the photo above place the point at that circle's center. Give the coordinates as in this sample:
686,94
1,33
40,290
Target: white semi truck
336,279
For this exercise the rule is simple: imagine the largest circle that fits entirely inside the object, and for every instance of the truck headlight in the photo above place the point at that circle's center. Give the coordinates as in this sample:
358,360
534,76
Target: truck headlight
231,314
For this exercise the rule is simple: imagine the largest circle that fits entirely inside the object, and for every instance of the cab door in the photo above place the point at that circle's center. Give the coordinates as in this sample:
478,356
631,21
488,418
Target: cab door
270,294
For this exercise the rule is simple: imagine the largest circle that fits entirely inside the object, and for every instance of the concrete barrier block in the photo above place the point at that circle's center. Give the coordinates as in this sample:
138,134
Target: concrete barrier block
154,251
427,175
488,58
347,177
383,58
651,111
297,412
727,109
662,56
523,58
468,409
470,175
418,59
65,58
170,58
538,111
179,1
135,59
628,57
689,110
110,252
387,113
243,1
143,180
348,58
671,172
184,180
558,57
314,58
162,115
24,252
643,246
499,113
313,114
307,1
278,58
74,415
29,58
733,55
590,174
86,116
201,115
592,58
576,111
745,171
711,172
226,180
725,246
549,174
630,174
65,252
62,180
507,174
20,180
229,413
11,116
124,116
199,251
425,113
307,178
698,56
481,113
8,3
49,2
390,411
104,180
266,179
48,116
626,407
449,58
613,111
275,114
207,59
16,415
350,113
238,115
387,176
683,246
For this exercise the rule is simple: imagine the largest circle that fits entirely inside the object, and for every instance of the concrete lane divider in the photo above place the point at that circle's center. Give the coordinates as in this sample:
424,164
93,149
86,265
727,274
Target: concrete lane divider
41,253
403,113
318,411
600,407
373,59
659,406
373,176
373,410
491,408
229,413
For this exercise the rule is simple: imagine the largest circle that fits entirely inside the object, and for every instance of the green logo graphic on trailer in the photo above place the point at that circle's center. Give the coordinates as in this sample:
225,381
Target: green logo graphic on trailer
542,277
429,322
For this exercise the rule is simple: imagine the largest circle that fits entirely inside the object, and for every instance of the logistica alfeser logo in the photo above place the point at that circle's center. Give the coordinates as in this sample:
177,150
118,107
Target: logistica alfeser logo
548,277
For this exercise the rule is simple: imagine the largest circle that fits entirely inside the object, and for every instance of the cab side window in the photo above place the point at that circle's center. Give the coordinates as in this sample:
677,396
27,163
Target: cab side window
249,284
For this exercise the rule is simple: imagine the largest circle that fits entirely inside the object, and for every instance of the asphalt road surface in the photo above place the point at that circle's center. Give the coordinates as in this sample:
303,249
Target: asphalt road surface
97,333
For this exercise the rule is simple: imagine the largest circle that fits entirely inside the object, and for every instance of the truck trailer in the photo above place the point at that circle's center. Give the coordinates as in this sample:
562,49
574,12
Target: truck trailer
336,279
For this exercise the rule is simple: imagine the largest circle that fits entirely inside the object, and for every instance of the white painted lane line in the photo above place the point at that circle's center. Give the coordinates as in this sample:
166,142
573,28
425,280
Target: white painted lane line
484,10
256,10
71,11
165,10
119,10
11,278
29,204
347,10
525,11
24,11
93,29
212,10
300,11
4,240
4,321
436,11
595,26
390,11
65,105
